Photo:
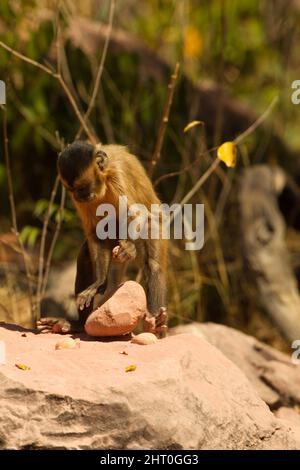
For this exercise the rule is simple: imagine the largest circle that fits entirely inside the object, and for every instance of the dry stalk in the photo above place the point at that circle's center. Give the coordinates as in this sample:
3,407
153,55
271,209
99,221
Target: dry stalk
164,121
13,211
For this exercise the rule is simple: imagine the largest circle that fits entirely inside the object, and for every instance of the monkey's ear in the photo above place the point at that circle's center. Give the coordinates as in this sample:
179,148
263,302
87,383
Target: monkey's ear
101,159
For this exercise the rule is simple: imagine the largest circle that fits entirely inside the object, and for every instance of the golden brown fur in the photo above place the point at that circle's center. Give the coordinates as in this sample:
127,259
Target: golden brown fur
91,183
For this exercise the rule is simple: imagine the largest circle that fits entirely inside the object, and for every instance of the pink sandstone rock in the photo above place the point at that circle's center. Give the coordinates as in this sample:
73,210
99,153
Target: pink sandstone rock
120,314
271,372
290,415
291,418
184,393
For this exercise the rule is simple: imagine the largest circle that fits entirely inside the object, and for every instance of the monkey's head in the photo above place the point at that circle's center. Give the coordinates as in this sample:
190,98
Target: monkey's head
81,166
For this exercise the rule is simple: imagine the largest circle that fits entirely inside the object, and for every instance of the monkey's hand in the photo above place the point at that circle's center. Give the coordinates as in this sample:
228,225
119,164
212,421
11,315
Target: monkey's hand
125,251
157,324
53,325
85,298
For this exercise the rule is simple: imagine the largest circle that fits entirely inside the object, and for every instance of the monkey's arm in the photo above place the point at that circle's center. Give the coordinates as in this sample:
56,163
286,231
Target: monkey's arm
126,249
85,289
85,277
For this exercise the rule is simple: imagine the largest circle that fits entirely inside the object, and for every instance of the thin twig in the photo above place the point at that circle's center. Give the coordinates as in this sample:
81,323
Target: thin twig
66,74
220,75
186,168
101,66
216,162
54,240
40,281
61,81
58,37
221,265
11,314
41,275
195,188
90,135
26,59
164,121
13,210
64,65
256,123
201,181
173,173
43,245
47,265
237,141
9,176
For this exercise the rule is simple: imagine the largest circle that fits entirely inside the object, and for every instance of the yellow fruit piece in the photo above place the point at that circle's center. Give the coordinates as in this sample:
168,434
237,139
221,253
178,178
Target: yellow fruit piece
22,366
227,153
130,368
192,124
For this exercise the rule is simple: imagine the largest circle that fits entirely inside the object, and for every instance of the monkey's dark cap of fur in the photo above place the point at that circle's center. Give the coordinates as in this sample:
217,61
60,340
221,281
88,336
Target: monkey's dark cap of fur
75,158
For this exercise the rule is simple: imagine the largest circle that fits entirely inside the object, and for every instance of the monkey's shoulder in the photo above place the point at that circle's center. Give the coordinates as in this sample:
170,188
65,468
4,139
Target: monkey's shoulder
121,156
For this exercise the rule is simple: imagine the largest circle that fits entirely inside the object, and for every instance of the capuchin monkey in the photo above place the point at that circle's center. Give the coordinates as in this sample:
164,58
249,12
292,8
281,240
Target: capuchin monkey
100,174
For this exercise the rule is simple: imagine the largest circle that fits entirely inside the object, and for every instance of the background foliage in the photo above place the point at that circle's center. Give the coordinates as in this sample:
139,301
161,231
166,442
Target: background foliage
247,48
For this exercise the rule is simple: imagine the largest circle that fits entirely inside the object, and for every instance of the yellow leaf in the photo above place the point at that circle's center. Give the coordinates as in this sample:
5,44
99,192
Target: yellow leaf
22,366
227,153
192,124
130,368
192,43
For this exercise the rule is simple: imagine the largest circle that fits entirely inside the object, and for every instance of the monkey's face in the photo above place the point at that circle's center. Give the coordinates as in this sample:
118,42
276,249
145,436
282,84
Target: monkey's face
81,166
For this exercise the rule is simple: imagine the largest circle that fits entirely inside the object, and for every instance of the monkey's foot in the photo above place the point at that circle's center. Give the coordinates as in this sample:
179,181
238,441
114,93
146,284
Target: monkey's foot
85,298
53,325
124,252
157,324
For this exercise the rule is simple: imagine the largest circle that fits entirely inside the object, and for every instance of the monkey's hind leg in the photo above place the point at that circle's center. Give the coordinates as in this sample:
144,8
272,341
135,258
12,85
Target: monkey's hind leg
156,321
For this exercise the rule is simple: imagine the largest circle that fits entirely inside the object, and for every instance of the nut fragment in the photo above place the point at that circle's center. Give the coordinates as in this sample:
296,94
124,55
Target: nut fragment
68,343
144,339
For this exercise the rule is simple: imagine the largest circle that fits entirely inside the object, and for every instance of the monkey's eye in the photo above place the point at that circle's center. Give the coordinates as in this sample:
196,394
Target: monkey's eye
101,159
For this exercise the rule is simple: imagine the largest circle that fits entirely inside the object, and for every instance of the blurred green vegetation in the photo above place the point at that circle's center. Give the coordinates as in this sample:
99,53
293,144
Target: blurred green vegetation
249,48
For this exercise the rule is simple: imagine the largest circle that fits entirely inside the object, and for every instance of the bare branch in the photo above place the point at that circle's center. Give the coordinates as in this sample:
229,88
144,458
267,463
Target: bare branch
186,168
101,65
61,81
54,240
257,123
13,210
216,162
165,119
201,181
42,246
58,37
26,59
90,135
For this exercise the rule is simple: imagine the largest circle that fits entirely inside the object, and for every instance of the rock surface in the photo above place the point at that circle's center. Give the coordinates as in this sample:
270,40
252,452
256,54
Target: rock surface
272,373
184,393
291,418
120,314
